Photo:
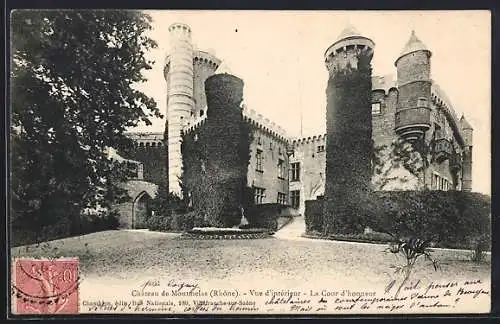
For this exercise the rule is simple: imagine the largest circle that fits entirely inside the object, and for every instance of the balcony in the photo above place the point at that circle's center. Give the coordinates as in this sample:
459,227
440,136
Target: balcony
455,161
444,149
411,123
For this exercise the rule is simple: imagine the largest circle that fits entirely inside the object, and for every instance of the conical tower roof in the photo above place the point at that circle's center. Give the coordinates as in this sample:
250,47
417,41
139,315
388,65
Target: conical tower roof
464,123
349,36
349,31
414,44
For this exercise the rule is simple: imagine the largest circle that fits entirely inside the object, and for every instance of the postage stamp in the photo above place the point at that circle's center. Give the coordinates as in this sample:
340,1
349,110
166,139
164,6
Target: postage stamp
44,286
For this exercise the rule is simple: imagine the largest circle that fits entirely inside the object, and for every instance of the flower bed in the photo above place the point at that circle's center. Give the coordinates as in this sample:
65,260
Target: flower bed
215,233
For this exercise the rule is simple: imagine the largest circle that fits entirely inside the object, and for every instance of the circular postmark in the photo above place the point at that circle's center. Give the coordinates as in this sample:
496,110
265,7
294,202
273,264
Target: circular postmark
45,286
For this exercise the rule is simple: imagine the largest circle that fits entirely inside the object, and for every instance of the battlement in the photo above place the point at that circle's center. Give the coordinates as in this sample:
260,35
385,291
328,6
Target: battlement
264,124
441,100
195,125
309,140
152,136
207,58
179,27
200,57
349,45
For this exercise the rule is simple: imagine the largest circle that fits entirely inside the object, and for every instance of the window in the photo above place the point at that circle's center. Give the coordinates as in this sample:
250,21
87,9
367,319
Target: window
140,171
440,183
258,195
376,108
422,102
281,169
321,148
281,198
296,171
295,198
260,158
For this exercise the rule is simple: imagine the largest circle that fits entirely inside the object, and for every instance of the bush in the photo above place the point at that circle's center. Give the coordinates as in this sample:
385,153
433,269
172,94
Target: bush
264,216
314,216
85,224
452,219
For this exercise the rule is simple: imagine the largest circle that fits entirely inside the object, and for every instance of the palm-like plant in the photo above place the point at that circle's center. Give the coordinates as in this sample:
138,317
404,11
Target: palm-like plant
411,250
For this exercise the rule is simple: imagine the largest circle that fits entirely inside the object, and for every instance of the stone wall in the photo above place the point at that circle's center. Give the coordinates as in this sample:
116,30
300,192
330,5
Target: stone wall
272,149
135,189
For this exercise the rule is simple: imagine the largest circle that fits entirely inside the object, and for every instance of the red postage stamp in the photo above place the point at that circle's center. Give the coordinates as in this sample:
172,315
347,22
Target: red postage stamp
45,286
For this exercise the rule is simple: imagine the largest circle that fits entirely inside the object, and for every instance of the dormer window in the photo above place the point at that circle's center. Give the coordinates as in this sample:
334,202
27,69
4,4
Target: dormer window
376,108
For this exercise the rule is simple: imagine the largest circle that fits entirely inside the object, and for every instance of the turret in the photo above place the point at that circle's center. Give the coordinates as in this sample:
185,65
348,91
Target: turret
178,74
349,147
467,155
205,64
346,49
413,112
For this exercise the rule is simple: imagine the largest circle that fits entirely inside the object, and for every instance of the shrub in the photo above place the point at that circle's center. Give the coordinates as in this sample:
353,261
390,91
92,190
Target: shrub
452,219
85,224
314,215
264,216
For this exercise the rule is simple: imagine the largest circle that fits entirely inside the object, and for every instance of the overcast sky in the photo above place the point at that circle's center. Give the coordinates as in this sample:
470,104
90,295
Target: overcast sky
279,55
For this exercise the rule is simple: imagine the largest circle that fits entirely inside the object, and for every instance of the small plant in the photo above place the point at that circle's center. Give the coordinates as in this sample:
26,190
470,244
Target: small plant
410,250
479,252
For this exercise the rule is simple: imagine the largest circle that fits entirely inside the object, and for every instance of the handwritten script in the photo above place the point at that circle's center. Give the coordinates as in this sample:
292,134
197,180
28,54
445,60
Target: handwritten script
184,297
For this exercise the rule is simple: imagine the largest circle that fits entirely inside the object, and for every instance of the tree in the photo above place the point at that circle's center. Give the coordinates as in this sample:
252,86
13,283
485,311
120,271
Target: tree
72,79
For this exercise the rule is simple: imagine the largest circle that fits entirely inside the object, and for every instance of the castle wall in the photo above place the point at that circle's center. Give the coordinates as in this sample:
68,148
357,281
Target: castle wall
311,155
272,150
135,189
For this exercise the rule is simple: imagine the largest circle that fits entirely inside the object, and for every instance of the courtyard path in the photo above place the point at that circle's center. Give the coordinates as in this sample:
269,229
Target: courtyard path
293,230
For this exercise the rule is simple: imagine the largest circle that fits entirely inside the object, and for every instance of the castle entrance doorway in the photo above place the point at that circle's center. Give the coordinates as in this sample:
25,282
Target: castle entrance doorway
141,210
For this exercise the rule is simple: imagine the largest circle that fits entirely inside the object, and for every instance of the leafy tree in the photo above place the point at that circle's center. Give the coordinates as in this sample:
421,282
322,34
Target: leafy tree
72,86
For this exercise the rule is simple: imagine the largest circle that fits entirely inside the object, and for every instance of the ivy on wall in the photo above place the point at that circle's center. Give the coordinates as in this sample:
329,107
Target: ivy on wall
216,157
349,147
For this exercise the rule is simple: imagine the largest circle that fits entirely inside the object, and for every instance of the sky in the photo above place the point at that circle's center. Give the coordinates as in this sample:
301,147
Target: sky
279,56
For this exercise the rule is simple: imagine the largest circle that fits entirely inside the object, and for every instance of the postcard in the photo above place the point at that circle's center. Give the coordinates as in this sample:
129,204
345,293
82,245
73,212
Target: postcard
218,162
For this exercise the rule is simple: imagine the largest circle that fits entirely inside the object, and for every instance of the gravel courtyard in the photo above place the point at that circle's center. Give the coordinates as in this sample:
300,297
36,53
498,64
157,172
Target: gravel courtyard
132,254
114,263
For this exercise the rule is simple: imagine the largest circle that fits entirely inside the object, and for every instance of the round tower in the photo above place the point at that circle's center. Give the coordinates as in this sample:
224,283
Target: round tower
466,155
413,113
227,153
205,64
349,147
178,74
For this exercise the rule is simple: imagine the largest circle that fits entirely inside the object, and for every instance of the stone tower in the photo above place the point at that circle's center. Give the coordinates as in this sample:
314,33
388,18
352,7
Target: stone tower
185,72
466,155
204,65
413,113
178,74
349,145
226,168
